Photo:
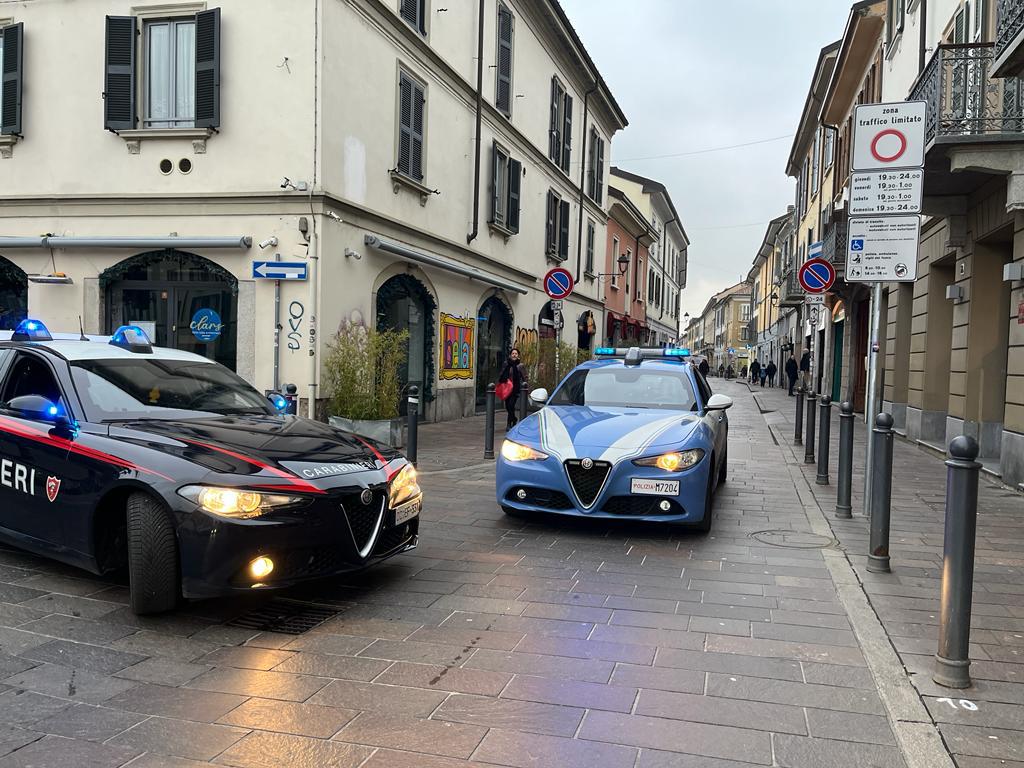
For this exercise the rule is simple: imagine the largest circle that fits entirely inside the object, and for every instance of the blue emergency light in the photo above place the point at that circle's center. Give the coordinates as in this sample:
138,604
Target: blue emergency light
604,351
677,353
132,338
31,330
281,403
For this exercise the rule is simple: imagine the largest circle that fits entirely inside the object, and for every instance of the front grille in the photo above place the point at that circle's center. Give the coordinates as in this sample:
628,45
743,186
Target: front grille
364,519
587,483
392,538
541,497
639,506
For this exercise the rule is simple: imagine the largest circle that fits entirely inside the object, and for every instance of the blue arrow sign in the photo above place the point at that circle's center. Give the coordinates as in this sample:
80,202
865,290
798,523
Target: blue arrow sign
279,270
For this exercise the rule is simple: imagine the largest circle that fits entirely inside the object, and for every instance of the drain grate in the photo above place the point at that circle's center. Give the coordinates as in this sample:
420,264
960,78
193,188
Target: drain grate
794,539
289,617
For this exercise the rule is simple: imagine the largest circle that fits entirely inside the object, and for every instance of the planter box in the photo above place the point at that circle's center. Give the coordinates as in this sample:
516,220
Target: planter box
386,432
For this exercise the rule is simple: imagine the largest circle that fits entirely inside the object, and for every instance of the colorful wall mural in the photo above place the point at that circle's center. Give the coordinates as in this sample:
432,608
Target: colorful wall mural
457,347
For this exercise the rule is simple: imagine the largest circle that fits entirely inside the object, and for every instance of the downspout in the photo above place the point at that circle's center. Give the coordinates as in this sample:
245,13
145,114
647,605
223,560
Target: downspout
479,113
583,171
314,242
923,5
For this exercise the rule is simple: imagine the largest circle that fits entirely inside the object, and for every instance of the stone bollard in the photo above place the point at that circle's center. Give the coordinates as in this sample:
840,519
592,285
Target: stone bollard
844,496
824,430
798,438
809,426
953,661
489,424
881,493
413,425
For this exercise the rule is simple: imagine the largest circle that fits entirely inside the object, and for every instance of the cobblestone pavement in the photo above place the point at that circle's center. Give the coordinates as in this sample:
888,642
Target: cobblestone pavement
502,641
982,726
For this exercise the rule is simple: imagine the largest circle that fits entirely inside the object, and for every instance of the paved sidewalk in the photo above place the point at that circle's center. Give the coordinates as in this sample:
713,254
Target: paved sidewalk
986,728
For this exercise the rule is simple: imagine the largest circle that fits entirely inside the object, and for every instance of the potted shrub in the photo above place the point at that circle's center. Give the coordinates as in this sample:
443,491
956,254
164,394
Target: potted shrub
362,378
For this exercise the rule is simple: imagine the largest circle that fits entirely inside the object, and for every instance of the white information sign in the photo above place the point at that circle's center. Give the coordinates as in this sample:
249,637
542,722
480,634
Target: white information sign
813,299
883,249
886,192
887,136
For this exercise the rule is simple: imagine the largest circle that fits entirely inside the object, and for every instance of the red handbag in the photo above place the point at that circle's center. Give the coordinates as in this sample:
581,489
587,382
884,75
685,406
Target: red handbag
503,389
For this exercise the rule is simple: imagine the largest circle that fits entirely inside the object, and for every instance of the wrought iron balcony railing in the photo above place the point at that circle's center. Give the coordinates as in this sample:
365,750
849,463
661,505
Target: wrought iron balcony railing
790,291
1009,24
963,98
833,247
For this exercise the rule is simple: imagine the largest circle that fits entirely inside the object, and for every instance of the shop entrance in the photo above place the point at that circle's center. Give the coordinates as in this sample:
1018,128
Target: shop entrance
181,300
13,295
493,343
404,304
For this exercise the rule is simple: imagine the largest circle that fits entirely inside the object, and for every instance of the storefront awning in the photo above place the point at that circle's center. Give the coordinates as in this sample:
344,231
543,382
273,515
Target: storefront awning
149,243
440,262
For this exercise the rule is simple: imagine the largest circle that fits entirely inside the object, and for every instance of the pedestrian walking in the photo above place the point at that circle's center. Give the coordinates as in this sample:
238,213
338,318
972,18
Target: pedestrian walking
721,370
704,368
772,369
762,375
805,370
755,371
792,370
514,373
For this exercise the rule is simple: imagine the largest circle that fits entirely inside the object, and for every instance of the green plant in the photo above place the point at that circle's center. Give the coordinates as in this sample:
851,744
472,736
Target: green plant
362,372
545,373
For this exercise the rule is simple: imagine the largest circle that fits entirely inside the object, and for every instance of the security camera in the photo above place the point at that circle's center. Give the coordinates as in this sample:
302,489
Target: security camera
270,241
287,183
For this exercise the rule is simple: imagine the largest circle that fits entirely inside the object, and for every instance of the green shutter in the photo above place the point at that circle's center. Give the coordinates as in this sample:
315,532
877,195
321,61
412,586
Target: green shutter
119,113
12,67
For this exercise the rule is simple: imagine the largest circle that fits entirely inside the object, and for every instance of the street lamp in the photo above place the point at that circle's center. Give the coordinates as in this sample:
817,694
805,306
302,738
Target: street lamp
623,262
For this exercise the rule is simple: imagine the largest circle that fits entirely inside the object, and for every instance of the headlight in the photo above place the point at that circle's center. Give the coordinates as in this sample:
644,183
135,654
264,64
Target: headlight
673,461
403,486
234,502
516,452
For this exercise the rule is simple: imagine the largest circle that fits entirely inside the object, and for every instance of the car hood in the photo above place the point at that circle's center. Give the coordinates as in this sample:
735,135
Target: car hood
605,433
277,446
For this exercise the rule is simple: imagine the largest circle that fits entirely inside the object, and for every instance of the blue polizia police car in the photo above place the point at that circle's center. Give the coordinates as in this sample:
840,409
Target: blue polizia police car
634,434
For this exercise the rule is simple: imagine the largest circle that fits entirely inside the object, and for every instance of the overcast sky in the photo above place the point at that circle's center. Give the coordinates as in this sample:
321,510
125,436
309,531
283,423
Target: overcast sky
693,75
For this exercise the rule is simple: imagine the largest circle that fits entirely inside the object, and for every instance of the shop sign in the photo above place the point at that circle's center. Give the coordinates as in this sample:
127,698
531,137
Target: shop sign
456,347
206,325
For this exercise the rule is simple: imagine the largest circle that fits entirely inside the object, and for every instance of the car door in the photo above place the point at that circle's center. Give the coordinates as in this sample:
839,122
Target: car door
44,482
716,420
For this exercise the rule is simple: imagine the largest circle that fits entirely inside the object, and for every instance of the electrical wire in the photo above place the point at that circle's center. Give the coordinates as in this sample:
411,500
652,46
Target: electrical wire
706,151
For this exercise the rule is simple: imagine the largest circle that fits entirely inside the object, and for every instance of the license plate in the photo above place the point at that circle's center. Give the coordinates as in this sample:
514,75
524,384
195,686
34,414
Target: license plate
647,487
407,512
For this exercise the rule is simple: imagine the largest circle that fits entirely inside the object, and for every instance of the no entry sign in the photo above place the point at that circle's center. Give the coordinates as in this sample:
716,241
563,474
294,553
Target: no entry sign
558,283
887,136
816,275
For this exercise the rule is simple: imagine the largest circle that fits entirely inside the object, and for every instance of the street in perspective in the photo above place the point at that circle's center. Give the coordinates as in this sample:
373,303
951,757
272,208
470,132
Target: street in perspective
511,384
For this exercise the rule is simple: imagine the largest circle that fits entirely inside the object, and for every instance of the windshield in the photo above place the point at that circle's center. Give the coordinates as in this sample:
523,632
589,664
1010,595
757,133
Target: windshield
148,388
627,387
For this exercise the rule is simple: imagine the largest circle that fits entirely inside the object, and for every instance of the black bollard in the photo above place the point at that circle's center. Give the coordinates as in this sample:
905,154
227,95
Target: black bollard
809,426
953,661
844,502
523,398
825,407
798,438
881,493
489,424
411,438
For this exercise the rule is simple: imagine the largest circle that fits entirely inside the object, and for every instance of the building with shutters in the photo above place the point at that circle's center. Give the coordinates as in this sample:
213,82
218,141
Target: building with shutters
769,334
418,184
630,235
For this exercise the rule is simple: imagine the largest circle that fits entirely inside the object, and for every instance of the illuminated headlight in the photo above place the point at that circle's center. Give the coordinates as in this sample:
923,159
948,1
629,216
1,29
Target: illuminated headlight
675,461
235,503
515,452
403,487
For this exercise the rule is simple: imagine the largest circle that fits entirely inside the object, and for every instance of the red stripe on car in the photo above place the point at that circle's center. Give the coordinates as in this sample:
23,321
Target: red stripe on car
293,480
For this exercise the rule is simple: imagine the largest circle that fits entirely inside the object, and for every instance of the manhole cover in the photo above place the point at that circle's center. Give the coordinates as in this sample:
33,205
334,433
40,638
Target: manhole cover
794,539
286,616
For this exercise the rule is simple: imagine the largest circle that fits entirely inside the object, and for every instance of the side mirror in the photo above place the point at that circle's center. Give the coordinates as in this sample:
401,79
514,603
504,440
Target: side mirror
539,397
718,403
39,408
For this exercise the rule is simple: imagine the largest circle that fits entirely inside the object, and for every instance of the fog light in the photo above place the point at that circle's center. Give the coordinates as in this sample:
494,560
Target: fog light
261,567
521,494
665,505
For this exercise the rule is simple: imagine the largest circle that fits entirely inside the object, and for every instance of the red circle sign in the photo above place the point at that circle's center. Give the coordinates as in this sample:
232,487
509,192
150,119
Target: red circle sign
896,155
558,283
816,275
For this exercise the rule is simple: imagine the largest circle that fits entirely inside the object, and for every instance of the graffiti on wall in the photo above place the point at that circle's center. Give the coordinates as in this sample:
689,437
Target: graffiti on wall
456,347
295,314
526,337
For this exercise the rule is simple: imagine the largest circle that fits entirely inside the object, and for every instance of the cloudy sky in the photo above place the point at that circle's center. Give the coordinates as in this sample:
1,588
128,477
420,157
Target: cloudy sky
694,75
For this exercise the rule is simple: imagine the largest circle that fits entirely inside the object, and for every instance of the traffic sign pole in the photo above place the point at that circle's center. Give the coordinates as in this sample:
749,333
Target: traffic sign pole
558,284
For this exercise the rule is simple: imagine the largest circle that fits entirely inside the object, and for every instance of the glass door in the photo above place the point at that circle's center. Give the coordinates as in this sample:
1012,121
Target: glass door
146,308
204,322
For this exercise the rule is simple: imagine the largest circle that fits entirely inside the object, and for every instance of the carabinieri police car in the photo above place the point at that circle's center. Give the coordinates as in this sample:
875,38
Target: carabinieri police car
115,454
636,433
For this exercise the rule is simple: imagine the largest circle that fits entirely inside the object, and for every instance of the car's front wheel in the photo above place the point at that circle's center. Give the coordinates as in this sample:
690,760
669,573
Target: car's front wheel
153,576
704,526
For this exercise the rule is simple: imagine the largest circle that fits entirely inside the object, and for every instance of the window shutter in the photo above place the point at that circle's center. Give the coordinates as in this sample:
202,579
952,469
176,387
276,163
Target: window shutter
11,76
404,125
419,100
550,246
421,16
503,92
563,230
599,183
515,174
554,146
413,11
119,74
592,163
960,27
208,68
495,159
567,133
980,14
590,246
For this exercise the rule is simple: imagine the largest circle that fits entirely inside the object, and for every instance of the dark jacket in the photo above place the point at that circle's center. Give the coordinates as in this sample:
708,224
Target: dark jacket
805,362
791,368
516,373
704,368
772,369
755,368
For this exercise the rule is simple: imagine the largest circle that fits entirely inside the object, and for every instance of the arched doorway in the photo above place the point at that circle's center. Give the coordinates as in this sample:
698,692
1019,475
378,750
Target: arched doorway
182,300
493,341
13,295
404,303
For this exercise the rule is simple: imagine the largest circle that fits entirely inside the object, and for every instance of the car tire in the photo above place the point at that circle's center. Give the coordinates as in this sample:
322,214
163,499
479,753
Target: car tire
704,526
723,469
510,511
153,575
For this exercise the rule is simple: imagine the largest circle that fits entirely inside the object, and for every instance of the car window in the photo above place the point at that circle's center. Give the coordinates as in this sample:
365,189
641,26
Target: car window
30,375
148,388
702,386
627,387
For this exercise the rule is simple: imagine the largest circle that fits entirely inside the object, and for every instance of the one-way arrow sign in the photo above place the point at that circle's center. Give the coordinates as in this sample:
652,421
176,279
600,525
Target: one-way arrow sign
279,270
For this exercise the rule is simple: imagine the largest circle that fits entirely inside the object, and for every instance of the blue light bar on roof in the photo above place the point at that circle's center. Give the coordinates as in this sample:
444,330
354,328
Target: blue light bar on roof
604,351
677,353
132,338
31,330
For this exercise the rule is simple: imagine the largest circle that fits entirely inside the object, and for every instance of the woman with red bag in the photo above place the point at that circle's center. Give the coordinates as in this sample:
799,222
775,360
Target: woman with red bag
510,383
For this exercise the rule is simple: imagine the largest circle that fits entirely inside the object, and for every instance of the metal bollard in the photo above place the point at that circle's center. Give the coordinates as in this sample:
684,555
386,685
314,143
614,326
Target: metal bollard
825,407
411,438
489,424
798,438
953,661
881,493
844,496
523,398
809,436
